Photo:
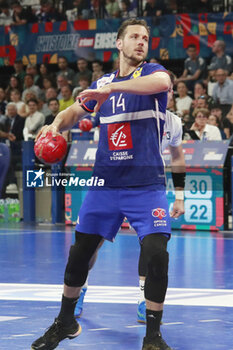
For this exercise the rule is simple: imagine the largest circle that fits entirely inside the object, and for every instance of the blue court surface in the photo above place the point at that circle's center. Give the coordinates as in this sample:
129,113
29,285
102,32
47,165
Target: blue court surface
199,305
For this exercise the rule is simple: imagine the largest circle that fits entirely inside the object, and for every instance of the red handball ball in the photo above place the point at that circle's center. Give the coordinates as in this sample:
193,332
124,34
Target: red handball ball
85,124
50,149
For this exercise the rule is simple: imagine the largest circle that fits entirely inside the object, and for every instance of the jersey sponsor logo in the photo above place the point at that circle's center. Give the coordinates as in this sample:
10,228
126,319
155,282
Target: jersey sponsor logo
137,73
159,213
105,80
119,136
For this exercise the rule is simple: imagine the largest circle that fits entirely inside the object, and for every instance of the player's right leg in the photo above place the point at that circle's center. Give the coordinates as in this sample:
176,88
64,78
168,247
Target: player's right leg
79,306
65,325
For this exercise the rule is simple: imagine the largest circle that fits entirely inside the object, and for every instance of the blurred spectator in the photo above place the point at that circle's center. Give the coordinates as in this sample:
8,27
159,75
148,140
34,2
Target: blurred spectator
43,106
203,130
183,101
154,8
50,93
34,121
47,83
44,72
214,120
32,69
15,96
83,85
94,9
6,14
24,110
34,4
222,92
201,6
15,122
83,70
80,10
220,60
67,99
97,67
126,9
54,106
29,86
19,71
64,69
171,105
48,13
199,89
22,15
14,83
15,125
61,82
229,117
112,8
3,101
227,126
211,82
194,67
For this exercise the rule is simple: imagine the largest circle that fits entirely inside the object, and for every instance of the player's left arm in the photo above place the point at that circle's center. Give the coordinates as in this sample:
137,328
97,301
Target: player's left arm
178,176
147,85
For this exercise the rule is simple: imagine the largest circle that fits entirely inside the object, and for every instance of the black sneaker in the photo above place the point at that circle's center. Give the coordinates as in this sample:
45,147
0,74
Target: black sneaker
156,343
56,333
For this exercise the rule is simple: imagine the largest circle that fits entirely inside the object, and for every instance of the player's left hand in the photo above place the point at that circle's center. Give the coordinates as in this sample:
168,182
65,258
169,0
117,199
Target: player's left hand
99,95
178,209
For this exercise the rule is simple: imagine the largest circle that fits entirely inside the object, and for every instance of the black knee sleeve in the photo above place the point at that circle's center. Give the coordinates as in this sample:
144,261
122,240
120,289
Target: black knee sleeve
142,265
157,258
78,262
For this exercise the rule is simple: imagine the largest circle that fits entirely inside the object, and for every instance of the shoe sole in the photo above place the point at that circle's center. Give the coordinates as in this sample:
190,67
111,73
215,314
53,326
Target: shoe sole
141,321
72,336
69,336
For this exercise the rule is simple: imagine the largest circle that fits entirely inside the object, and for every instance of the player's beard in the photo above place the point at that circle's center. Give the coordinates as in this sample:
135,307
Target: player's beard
133,59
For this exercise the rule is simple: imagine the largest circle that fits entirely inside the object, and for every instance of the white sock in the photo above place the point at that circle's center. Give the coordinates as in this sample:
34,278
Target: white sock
86,283
141,291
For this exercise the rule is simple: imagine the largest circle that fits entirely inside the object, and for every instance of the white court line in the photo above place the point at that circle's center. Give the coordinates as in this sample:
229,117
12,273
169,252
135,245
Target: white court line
117,295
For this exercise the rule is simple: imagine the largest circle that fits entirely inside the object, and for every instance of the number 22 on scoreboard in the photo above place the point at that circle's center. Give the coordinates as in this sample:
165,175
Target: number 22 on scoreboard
198,210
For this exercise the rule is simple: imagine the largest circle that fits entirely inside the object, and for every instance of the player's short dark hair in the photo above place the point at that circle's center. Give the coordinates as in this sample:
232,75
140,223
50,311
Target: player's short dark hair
131,22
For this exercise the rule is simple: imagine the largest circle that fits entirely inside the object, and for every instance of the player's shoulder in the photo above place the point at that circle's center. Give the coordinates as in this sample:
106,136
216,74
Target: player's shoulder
148,68
105,79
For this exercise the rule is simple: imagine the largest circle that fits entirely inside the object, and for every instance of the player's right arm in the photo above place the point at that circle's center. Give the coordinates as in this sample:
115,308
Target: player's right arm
64,120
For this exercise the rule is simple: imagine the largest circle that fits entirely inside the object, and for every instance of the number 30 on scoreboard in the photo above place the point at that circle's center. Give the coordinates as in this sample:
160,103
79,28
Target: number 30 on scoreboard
198,204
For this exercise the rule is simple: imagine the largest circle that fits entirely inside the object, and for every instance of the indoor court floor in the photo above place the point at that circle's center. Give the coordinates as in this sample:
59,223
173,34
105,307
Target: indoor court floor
199,304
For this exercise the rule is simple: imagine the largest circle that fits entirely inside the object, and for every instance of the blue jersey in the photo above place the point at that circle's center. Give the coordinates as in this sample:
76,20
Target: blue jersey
129,150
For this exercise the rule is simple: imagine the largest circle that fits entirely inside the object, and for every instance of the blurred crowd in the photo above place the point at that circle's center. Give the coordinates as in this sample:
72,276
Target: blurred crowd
28,11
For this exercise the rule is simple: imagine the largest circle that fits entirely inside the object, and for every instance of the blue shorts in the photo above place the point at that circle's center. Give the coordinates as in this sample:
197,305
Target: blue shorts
103,211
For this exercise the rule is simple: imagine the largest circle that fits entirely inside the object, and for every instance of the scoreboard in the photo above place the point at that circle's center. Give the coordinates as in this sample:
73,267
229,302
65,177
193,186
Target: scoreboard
204,188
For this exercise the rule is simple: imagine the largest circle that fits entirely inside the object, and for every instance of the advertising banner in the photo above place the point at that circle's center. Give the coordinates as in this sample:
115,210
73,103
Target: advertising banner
95,39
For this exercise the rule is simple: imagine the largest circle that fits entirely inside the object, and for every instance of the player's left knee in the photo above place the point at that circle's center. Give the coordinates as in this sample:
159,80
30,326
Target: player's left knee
157,268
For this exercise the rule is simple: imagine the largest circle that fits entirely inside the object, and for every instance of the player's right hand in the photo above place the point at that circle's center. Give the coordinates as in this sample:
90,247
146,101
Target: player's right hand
45,129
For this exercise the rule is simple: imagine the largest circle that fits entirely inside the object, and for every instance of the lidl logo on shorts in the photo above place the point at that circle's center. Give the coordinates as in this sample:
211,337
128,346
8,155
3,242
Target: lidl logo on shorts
119,136
35,178
159,213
